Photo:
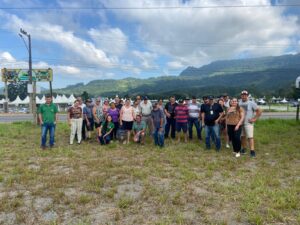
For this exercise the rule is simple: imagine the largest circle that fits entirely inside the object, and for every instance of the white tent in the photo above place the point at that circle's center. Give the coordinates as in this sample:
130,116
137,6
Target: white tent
71,99
2,101
38,100
57,100
64,99
17,101
284,101
26,100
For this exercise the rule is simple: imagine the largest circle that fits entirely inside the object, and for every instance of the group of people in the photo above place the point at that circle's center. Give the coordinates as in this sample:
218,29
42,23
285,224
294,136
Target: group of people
116,120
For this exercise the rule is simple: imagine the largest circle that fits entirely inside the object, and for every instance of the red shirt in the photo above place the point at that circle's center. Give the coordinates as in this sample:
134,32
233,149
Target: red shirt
182,114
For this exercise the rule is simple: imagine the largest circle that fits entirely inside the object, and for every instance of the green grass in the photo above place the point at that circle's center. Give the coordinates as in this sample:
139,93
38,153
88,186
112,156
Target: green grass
130,184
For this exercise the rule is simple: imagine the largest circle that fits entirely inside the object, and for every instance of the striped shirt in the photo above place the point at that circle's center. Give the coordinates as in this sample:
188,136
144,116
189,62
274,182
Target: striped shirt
194,110
182,114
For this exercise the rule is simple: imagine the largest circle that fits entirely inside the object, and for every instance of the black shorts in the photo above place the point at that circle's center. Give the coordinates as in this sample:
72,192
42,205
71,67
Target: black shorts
127,125
181,126
97,125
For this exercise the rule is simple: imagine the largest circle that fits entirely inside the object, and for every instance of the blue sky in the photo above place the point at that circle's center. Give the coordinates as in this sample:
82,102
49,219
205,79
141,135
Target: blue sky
81,41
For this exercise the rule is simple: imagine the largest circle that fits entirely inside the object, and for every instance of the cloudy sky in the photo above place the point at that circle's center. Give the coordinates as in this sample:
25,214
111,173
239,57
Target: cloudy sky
83,40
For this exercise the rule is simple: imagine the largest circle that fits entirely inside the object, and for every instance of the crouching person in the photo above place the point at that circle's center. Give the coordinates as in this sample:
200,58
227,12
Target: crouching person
139,128
158,122
105,130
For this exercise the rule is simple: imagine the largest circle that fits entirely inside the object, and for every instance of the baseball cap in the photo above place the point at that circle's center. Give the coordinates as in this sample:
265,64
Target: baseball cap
211,97
145,98
88,100
244,92
180,100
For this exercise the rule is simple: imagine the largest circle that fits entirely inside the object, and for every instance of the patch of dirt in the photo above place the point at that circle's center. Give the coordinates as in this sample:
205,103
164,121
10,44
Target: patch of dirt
131,190
41,204
8,218
103,214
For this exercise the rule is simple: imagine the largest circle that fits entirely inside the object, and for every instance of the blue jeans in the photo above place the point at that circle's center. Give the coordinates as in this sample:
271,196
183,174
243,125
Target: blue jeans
158,137
214,132
45,128
191,122
104,140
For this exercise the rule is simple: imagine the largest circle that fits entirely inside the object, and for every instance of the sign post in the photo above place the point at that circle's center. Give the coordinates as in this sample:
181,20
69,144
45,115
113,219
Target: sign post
22,75
298,96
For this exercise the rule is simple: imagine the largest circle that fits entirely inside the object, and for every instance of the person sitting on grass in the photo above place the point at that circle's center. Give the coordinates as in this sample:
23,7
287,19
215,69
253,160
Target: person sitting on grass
105,130
139,128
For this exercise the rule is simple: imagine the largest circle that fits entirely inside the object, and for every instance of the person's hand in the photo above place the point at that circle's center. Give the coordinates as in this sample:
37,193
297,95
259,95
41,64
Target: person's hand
69,123
168,115
236,127
97,120
216,121
203,124
252,120
160,129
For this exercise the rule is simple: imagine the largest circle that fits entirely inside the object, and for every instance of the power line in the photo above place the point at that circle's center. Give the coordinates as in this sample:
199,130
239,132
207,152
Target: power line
151,7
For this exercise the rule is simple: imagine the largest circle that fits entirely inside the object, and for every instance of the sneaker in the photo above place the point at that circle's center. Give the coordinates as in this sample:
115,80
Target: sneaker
243,151
43,147
227,146
252,153
237,154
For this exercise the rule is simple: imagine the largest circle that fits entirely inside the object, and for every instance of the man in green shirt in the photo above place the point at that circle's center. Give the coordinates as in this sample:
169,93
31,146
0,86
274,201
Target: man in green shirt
48,117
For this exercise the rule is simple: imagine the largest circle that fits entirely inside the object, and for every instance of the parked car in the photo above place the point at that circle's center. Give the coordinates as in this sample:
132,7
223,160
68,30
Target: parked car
294,104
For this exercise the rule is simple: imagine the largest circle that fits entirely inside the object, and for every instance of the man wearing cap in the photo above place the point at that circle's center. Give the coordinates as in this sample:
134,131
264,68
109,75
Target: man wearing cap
48,117
145,110
181,115
194,117
170,115
252,113
88,119
157,117
211,114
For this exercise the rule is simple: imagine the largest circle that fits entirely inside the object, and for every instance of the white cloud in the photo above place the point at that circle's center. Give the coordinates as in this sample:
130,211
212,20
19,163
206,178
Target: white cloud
195,36
175,65
55,33
146,59
110,40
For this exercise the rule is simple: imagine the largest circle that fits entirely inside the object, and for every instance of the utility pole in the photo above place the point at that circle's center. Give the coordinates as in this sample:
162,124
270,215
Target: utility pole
32,88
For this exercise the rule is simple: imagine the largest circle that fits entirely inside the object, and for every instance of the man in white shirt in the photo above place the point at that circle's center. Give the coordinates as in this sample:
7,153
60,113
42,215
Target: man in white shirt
146,108
194,118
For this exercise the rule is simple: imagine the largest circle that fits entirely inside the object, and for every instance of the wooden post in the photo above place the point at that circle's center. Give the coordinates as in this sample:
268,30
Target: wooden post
50,87
6,98
297,114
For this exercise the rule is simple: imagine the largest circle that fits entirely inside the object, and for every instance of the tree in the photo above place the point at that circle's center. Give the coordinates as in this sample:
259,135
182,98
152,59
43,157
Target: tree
85,96
17,89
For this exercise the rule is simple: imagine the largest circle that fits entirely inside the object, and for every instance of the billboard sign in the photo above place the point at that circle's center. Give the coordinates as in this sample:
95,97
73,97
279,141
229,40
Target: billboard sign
17,75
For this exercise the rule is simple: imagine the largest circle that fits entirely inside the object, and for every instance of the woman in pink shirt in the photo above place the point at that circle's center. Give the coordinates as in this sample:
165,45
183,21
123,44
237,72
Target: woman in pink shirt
127,116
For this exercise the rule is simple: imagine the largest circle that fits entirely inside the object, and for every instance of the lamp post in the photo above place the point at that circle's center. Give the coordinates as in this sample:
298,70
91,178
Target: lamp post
31,88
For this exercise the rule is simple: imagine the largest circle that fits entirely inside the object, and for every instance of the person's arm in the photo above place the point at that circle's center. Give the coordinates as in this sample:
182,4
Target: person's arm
220,117
258,113
202,117
166,111
242,113
41,118
95,115
121,116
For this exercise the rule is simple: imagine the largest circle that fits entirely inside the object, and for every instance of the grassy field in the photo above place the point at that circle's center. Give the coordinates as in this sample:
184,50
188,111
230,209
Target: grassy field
118,184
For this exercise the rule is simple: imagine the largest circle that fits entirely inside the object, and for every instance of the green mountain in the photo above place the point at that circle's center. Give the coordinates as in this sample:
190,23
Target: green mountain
261,76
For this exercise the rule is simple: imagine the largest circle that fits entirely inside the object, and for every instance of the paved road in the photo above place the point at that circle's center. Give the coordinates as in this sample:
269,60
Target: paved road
9,118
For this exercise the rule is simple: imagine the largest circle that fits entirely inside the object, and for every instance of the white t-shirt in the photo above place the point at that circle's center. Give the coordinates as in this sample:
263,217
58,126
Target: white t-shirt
194,110
146,108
